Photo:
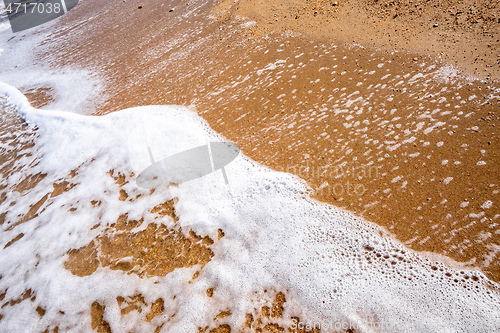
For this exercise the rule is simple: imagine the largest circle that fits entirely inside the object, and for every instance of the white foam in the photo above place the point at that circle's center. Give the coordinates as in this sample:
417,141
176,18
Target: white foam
73,89
447,180
487,204
337,266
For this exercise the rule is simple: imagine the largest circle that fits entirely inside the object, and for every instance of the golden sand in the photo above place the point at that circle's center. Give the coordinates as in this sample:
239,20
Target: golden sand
285,119
144,61
463,33
155,251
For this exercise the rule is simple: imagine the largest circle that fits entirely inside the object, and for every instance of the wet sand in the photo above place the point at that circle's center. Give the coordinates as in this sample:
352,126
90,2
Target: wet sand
367,117
386,134
462,33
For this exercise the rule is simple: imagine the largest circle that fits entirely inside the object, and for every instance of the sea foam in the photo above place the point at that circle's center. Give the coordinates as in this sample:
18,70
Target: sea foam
333,265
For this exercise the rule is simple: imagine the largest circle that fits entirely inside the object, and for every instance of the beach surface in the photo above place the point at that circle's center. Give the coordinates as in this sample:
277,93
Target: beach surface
369,167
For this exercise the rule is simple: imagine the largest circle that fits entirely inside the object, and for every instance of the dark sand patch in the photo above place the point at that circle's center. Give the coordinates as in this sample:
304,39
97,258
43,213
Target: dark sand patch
153,251
39,96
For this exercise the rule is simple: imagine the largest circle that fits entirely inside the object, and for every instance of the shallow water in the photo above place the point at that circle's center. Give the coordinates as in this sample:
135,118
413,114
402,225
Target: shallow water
90,233
371,131
408,144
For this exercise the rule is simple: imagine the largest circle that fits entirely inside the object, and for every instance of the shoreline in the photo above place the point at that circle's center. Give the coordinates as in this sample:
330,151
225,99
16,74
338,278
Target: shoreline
368,240
323,92
399,150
